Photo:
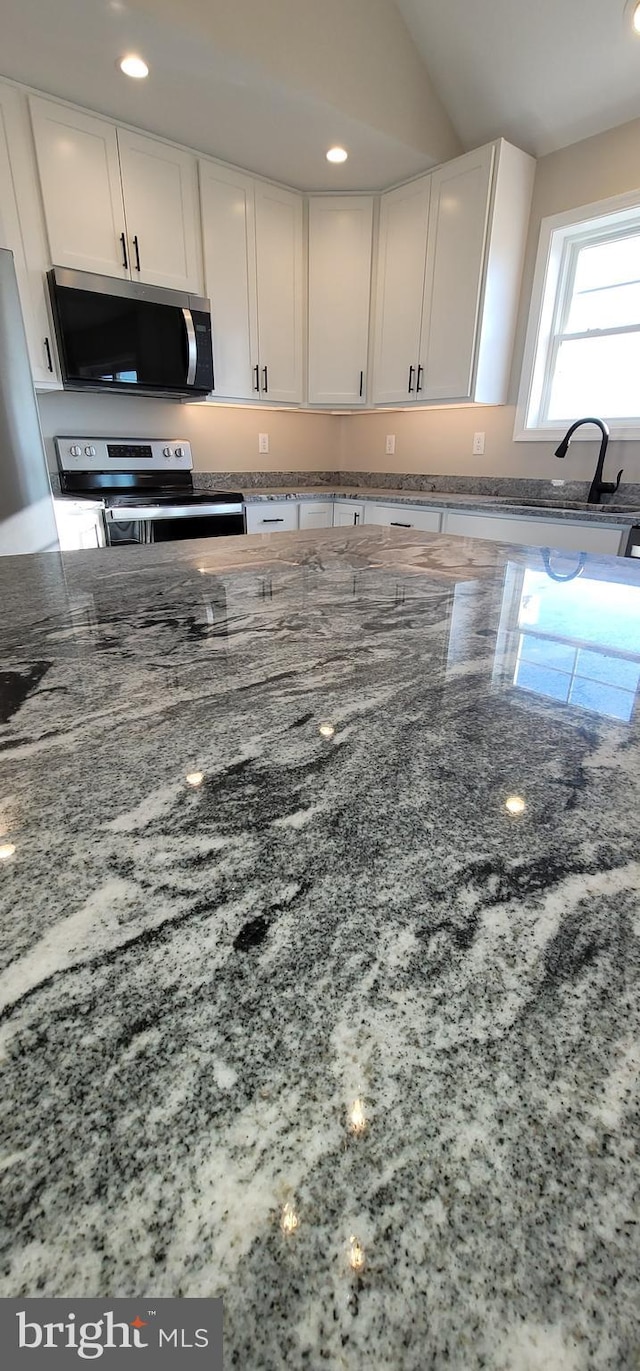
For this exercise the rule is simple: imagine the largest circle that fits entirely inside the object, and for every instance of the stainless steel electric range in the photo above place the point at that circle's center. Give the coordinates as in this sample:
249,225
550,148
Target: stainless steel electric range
147,489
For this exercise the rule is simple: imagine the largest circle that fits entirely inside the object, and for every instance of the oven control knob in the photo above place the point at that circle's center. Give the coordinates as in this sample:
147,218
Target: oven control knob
89,452
166,452
75,451
179,452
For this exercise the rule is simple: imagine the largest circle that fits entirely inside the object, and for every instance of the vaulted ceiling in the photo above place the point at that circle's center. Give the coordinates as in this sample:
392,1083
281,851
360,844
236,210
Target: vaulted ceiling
543,74
271,84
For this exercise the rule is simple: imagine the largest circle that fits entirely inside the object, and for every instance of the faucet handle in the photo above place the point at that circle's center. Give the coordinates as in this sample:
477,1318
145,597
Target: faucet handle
618,480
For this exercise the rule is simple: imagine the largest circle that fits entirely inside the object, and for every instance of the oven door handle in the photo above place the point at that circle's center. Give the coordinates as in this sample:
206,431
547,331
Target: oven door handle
192,346
118,514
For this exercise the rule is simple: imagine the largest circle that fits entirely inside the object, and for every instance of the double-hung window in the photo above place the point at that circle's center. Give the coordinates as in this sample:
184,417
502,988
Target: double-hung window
582,354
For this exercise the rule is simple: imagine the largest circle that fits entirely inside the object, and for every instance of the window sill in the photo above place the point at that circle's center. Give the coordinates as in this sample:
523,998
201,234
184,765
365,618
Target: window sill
625,433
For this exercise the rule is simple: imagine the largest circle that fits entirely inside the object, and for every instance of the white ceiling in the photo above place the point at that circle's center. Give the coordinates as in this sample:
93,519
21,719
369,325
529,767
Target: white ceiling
271,84
543,73
266,84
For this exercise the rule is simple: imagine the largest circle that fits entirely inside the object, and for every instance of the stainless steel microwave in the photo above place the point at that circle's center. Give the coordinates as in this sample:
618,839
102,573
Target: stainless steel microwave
122,336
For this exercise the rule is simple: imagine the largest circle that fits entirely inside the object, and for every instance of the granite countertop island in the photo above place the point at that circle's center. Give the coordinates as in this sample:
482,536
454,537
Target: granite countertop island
321,944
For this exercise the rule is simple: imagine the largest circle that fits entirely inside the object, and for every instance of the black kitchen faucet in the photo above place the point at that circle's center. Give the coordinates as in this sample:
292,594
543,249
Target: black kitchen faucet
598,486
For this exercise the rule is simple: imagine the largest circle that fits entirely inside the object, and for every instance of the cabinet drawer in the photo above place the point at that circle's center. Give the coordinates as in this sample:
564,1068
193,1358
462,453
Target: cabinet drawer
403,516
272,516
536,532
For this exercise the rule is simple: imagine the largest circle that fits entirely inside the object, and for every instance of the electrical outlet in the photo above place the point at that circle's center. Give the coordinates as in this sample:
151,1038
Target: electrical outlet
391,444
263,442
478,444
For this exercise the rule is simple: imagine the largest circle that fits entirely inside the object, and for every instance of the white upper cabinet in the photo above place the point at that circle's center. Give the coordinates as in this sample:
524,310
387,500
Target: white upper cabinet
80,178
402,241
449,312
160,189
117,203
253,258
340,231
279,262
22,231
456,238
228,231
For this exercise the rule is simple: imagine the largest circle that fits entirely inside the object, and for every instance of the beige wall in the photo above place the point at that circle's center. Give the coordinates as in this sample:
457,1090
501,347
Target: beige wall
224,438
440,441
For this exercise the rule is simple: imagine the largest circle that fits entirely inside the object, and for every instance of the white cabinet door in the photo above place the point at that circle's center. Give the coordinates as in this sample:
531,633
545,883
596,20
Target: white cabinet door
403,516
315,514
280,301
22,231
272,516
161,202
80,180
528,532
346,513
402,249
340,228
228,232
458,216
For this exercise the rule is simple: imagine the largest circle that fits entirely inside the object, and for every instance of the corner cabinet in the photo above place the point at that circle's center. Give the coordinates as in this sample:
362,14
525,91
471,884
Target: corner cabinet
450,264
116,203
253,262
340,246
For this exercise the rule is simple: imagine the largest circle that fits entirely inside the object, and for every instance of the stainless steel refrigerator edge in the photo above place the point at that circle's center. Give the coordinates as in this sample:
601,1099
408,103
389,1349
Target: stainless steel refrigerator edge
27,517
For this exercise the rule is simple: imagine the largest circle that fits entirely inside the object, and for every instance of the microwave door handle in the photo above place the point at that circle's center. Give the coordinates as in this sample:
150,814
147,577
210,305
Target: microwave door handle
192,346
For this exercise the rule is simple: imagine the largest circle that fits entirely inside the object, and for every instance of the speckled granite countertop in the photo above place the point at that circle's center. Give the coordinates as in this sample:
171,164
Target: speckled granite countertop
348,1032
604,514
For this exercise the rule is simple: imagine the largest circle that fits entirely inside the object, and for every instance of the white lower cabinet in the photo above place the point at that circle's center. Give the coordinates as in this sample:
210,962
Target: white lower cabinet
552,533
272,516
347,513
285,516
315,514
80,524
403,516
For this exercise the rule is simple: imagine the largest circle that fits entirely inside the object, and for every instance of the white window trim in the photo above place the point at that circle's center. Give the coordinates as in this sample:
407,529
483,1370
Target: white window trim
543,311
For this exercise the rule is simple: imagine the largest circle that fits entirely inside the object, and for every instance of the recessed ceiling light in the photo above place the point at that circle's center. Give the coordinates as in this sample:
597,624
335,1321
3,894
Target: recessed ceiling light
340,154
134,66
636,18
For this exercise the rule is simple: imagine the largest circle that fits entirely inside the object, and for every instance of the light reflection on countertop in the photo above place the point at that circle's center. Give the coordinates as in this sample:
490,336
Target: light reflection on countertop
320,978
